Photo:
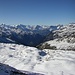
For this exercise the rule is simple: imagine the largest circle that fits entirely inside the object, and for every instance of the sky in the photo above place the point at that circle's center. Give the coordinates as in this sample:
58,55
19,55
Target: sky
35,12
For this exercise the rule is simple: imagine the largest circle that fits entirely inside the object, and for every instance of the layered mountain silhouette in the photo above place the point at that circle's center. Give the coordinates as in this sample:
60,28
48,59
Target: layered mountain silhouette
25,34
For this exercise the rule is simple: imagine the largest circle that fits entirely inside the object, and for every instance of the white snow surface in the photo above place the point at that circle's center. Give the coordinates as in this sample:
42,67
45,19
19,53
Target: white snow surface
62,44
54,62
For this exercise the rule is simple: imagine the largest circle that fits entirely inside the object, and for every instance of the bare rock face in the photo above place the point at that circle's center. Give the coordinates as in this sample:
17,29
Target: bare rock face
46,46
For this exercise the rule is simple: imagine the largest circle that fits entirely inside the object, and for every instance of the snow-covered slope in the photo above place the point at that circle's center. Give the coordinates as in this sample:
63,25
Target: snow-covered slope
60,45
67,31
47,62
63,38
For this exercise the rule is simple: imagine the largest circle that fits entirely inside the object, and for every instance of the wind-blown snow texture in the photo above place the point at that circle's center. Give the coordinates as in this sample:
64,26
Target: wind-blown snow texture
47,62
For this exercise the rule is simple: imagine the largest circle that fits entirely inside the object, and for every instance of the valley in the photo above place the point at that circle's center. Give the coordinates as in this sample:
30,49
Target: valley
25,34
37,50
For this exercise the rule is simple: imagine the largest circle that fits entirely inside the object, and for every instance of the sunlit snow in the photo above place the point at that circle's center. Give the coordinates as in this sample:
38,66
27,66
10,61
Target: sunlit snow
47,62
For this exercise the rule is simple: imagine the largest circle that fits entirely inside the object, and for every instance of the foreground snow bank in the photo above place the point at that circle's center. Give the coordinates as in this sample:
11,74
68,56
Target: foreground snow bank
8,70
48,62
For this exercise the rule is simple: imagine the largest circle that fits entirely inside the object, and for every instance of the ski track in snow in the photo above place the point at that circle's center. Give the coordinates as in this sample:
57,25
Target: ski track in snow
54,62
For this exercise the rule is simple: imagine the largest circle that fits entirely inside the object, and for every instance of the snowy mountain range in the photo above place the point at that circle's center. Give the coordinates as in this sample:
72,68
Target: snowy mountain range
63,38
24,34
53,54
